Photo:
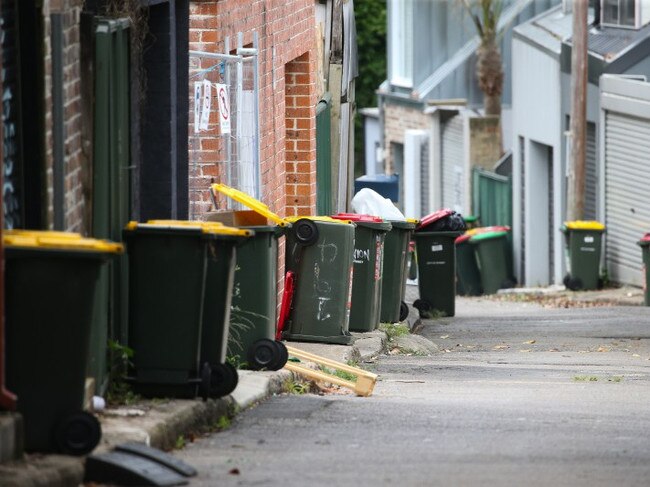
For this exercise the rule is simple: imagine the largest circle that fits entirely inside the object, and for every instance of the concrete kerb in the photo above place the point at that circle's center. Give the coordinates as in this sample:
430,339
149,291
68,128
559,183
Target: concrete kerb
160,423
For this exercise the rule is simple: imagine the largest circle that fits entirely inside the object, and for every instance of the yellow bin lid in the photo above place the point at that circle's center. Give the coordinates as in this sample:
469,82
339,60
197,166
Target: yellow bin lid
37,239
318,218
584,225
413,220
213,228
250,202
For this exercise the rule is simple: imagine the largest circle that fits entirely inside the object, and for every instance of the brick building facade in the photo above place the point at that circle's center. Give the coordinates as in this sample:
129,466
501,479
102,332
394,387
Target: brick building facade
398,118
288,95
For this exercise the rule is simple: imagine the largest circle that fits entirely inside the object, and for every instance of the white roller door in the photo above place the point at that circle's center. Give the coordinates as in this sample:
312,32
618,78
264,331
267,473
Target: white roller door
627,193
453,164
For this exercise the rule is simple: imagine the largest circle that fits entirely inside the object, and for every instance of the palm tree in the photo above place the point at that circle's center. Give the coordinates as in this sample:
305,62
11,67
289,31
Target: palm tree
489,68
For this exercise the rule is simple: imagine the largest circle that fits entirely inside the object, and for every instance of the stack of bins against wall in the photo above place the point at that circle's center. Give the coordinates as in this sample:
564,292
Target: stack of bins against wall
253,315
436,255
583,247
51,279
644,243
396,253
180,286
318,279
369,237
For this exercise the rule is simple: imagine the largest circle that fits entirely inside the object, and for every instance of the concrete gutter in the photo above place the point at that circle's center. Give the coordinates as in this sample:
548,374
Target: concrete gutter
160,423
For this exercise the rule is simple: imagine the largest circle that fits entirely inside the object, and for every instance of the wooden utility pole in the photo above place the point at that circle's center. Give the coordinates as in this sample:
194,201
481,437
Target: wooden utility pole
576,182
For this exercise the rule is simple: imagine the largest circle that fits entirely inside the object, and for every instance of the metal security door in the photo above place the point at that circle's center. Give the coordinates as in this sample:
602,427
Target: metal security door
224,127
627,204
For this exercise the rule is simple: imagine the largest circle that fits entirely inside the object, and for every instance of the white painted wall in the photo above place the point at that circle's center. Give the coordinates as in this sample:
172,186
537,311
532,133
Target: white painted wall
371,141
536,116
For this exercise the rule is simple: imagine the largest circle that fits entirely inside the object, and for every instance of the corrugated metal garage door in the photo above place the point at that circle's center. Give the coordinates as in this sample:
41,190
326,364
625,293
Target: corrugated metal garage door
627,190
591,174
453,164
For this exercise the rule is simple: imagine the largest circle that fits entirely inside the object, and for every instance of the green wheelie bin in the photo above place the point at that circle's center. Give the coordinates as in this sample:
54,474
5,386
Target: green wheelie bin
180,285
253,314
434,238
468,276
49,296
393,288
583,245
492,256
369,236
318,284
644,243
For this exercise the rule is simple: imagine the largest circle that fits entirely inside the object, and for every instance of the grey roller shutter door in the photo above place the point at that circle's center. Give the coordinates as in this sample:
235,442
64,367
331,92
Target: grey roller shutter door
591,174
627,192
453,167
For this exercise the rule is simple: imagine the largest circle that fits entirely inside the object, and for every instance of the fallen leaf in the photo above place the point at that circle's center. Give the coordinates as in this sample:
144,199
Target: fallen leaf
635,355
500,347
526,350
233,471
444,337
553,350
602,349
529,342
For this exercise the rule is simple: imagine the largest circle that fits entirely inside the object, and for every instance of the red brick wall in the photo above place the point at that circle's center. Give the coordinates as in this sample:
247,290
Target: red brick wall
300,143
76,164
286,41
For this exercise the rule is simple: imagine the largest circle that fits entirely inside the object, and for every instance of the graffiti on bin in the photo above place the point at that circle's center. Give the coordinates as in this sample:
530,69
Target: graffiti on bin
361,256
322,286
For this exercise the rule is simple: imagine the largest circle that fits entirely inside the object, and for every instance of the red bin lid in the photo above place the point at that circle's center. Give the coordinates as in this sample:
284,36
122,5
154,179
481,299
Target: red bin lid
434,217
463,238
359,218
645,238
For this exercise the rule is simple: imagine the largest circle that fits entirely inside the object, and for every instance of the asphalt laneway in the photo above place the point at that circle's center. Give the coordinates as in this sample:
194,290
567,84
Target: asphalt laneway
517,395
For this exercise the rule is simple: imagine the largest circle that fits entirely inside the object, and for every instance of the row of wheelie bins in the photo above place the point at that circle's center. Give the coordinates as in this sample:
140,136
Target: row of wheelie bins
197,292
180,280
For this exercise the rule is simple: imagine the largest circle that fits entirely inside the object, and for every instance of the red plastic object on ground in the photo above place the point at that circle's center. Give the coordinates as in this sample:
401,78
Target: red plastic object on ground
354,217
285,307
434,217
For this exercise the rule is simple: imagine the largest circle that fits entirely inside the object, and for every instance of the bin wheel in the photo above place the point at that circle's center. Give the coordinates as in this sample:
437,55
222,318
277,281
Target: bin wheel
423,306
206,379
78,433
572,283
403,311
305,231
508,283
223,380
284,354
264,354
601,283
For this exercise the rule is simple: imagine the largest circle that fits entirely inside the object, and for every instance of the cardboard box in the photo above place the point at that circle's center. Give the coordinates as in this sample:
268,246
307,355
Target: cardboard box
232,218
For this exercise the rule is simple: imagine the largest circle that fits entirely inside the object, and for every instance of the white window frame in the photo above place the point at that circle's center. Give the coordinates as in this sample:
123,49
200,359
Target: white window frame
401,42
637,15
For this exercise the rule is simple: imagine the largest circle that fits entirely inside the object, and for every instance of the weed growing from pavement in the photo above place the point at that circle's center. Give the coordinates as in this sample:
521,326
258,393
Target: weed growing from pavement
593,378
237,362
119,391
298,387
180,443
222,423
415,353
341,374
394,330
